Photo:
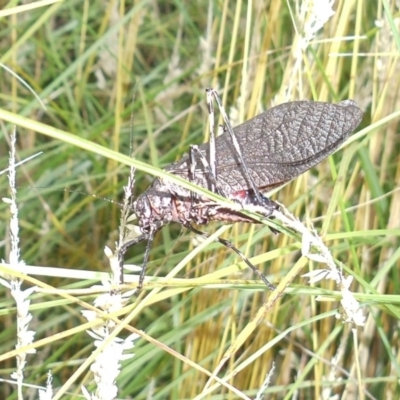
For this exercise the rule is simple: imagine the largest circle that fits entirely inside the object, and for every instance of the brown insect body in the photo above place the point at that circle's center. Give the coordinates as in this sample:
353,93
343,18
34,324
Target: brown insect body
277,146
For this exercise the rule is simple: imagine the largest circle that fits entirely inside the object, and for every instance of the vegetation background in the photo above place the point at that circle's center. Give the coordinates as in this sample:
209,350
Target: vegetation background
133,73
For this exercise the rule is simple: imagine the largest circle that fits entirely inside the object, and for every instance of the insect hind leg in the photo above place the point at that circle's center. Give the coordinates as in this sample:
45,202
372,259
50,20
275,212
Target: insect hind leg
212,93
230,245
266,207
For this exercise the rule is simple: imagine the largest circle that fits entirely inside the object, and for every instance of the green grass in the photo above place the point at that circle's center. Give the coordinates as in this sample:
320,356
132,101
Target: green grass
116,76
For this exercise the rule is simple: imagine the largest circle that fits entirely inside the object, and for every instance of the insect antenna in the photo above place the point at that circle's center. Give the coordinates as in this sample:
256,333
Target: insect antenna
75,191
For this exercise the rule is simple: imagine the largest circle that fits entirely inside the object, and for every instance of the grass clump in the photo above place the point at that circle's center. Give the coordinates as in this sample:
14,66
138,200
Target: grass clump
94,65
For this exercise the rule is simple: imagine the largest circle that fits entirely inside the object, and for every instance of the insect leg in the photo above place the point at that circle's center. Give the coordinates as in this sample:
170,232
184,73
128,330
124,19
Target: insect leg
207,166
212,161
266,207
192,171
229,245
193,153
213,93
149,237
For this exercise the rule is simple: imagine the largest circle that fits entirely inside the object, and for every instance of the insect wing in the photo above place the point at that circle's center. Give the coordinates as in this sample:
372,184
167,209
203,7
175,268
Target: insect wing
277,145
283,142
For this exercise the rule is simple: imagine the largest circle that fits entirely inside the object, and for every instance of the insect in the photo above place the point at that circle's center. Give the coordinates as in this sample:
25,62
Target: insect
262,153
